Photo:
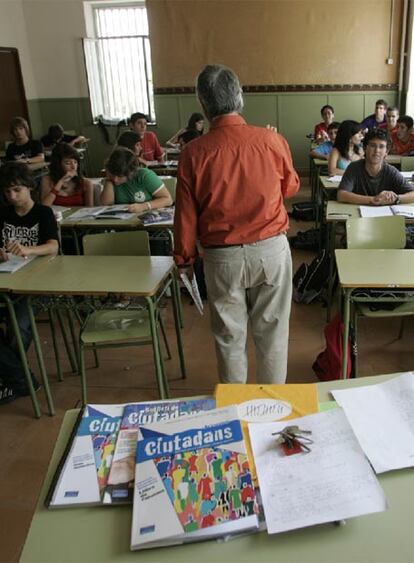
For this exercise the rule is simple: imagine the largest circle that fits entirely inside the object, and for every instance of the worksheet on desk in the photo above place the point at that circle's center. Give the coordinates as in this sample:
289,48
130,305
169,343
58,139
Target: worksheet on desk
332,482
382,417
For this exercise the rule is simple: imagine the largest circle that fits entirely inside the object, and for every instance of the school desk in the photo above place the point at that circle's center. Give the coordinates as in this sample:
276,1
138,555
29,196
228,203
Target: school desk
102,534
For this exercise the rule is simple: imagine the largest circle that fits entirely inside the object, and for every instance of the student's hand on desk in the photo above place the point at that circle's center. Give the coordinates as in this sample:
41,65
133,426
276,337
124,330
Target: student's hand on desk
385,198
18,249
138,207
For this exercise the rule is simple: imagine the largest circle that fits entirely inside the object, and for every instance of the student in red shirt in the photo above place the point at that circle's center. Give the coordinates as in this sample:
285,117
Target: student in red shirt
151,148
231,186
403,138
321,129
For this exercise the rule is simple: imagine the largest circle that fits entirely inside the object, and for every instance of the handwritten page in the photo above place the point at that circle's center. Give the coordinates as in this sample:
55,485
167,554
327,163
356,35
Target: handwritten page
404,210
382,417
332,482
375,211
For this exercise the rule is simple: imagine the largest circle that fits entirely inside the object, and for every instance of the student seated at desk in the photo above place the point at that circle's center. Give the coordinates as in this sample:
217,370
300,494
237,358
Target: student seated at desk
57,135
65,185
132,141
402,140
195,123
187,137
393,113
23,147
321,129
26,229
128,183
347,147
372,181
376,119
151,148
324,150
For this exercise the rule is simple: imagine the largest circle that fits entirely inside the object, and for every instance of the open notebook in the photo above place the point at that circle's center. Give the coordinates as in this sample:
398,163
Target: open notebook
14,263
103,212
387,210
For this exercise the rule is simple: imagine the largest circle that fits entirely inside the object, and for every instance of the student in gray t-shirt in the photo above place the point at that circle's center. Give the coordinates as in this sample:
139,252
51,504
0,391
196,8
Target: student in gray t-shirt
371,181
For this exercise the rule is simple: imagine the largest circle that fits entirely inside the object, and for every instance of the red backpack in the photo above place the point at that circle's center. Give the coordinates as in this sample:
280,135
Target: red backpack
328,364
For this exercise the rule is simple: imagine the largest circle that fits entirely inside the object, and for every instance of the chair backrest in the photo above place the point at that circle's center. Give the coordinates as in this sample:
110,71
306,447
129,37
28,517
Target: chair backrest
407,163
124,243
170,183
376,232
97,184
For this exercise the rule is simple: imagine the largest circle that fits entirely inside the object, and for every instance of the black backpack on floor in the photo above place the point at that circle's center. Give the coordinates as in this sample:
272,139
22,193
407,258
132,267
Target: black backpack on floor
311,279
303,211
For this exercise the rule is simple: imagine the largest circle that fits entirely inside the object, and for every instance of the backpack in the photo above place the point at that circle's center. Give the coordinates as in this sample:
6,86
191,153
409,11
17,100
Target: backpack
328,364
303,211
311,279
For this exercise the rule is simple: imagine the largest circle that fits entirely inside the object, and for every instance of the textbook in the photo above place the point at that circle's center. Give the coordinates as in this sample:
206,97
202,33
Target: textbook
103,212
120,485
14,263
82,473
162,216
192,481
387,211
267,403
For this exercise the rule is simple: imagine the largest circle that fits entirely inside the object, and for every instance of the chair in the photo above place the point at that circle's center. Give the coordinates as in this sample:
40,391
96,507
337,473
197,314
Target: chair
117,328
377,233
170,183
407,163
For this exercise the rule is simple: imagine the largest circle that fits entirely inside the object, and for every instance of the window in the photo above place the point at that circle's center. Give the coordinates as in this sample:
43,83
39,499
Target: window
118,62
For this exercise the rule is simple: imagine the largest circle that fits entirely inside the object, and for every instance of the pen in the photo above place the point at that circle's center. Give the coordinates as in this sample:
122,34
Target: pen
274,395
340,214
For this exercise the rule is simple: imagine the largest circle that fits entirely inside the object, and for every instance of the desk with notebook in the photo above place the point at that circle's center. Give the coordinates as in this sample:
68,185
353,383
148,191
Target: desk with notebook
102,534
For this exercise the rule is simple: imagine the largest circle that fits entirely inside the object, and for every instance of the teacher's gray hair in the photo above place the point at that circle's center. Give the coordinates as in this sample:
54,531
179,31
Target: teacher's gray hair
219,91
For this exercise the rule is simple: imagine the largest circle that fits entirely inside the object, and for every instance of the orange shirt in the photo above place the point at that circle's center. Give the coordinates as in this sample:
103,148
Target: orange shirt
231,183
402,148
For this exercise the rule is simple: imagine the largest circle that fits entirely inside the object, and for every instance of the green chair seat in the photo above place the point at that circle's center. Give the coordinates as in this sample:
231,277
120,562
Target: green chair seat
403,310
116,326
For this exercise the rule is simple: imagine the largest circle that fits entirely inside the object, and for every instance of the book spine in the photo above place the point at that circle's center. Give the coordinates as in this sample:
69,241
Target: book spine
62,461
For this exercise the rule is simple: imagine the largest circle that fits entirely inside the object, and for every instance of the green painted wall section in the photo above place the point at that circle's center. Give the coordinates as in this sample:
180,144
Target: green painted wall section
294,113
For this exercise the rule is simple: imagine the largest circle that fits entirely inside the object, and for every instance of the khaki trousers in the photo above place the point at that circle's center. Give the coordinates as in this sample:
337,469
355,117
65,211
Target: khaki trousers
250,282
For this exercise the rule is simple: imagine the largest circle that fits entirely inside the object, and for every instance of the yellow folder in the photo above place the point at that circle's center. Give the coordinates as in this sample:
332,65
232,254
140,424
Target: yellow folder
267,403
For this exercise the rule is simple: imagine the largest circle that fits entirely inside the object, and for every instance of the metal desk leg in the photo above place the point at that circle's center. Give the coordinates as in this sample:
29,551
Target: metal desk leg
22,354
331,250
40,360
346,319
180,306
159,370
52,322
176,306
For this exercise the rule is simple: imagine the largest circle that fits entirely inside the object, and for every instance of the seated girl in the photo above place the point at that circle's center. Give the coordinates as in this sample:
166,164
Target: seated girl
321,129
195,123
347,147
128,183
23,148
65,185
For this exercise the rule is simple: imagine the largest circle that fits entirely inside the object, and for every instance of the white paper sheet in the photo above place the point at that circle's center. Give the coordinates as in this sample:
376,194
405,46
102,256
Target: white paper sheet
382,417
335,179
374,211
331,483
192,288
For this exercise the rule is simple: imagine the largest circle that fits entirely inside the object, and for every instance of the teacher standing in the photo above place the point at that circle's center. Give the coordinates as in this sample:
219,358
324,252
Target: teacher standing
230,190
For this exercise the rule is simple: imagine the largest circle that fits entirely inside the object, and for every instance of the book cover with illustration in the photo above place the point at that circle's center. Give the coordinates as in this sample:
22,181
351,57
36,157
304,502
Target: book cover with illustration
120,484
267,403
192,480
83,471
164,215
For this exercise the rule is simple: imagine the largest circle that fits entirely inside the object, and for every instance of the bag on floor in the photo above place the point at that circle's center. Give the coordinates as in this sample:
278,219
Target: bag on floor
328,364
311,279
303,211
306,240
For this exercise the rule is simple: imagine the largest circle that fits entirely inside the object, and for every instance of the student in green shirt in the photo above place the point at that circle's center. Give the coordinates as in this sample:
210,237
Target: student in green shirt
128,183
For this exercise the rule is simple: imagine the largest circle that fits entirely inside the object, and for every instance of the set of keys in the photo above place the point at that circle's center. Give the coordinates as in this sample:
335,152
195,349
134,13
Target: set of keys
293,440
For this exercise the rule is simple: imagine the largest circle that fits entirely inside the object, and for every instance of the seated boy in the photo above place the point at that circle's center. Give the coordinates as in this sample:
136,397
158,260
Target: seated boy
324,150
57,135
403,138
378,118
371,181
26,229
151,148
393,113
127,183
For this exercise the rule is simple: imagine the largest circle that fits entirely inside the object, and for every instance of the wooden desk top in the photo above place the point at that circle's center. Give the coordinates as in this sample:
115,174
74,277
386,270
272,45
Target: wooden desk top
375,268
102,534
9,281
137,276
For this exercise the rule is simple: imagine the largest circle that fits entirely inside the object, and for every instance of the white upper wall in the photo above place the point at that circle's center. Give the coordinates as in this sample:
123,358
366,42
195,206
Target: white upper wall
13,33
54,32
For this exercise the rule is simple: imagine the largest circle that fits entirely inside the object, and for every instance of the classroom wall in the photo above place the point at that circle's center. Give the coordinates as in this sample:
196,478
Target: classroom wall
335,54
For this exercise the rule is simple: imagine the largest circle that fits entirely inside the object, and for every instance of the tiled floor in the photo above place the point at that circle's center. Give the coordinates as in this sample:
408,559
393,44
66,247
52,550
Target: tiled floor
127,375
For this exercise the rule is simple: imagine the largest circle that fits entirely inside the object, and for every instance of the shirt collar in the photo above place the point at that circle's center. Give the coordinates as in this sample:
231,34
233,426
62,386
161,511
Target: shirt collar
225,120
